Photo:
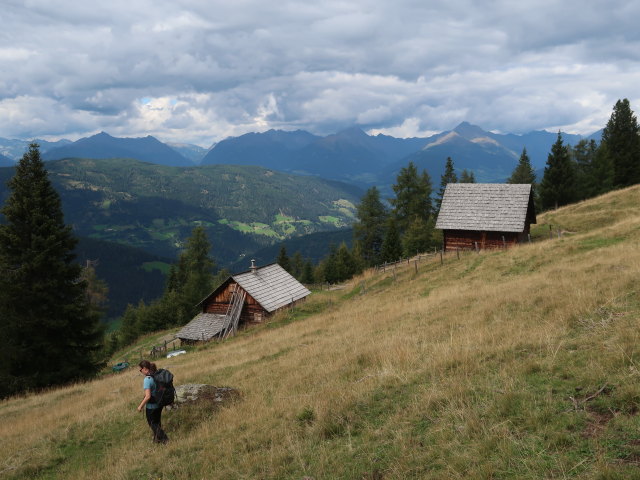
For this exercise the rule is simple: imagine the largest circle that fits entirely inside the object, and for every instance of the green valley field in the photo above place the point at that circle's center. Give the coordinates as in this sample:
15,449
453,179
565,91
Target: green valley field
519,364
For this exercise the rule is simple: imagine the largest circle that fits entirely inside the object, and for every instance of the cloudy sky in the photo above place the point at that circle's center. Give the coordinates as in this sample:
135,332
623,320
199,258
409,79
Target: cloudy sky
198,71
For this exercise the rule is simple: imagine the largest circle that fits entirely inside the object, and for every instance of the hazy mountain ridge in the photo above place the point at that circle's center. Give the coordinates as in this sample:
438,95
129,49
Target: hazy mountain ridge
14,148
5,161
103,145
350,155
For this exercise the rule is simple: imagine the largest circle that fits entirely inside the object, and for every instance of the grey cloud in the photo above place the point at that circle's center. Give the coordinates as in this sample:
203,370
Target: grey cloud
232,67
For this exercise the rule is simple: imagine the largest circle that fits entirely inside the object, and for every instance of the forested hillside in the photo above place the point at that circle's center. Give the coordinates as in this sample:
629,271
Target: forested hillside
155,207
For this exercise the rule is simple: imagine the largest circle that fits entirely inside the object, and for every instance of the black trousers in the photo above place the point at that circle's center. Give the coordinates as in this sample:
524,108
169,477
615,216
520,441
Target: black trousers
154,419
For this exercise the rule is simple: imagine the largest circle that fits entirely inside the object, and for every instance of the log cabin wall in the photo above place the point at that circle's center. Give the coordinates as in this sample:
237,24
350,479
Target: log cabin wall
252,311
467,239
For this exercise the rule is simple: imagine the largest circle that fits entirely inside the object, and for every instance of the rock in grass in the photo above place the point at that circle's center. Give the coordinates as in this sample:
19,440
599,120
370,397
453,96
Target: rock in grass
195,392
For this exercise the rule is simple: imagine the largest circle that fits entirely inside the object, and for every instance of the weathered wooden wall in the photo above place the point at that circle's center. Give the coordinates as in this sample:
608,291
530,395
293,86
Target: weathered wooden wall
218,303
467,239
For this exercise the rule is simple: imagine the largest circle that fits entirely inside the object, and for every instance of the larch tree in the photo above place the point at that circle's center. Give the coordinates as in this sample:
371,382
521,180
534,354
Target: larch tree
412,197
53,333
392,244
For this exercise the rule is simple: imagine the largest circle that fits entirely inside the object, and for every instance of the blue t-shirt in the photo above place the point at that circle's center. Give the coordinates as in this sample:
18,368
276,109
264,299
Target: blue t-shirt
150,384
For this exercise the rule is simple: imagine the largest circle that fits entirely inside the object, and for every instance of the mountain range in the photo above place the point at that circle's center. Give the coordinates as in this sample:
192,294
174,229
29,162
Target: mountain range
103,145
350,155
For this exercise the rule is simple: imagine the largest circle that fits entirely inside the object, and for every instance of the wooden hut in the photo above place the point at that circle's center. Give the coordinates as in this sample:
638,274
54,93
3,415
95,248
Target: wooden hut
244,298
485,215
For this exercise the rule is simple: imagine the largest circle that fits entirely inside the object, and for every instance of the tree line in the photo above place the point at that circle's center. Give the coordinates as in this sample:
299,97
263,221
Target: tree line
588,169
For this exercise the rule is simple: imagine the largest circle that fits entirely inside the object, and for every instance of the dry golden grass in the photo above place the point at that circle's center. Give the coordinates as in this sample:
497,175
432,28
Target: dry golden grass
481,368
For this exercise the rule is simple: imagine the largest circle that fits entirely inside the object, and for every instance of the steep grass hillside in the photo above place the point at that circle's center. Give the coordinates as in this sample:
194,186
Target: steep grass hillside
517,364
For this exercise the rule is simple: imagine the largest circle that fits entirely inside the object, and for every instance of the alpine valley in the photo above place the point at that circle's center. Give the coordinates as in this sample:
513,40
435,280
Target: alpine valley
139,199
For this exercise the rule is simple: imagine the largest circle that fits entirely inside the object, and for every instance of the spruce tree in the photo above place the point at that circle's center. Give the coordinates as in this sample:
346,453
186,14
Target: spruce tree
307,272
622,139
297,265
449,176
601,172
523,173
199,268
53,333
467,176
558,186
369,228
594,171
189,281
329,266
283,259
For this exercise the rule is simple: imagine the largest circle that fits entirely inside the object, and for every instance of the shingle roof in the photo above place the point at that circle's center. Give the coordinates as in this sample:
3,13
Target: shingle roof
484,206
203,327
271,286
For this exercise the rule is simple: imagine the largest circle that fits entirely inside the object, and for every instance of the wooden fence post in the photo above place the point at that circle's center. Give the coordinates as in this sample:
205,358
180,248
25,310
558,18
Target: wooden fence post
441,259
416,265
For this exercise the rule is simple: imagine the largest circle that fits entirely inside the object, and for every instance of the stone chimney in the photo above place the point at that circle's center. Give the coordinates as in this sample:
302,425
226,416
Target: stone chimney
253,266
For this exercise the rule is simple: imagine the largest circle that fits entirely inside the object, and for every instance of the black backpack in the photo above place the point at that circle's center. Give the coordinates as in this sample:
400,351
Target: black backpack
165,393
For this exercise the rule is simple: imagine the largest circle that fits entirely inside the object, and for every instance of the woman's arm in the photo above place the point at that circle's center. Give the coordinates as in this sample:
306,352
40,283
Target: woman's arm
145,400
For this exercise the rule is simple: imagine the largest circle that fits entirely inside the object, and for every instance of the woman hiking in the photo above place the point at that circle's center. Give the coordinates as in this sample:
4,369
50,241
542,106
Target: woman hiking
153,410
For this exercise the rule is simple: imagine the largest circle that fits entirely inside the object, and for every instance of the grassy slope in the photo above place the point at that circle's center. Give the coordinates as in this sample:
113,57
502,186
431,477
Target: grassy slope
518,364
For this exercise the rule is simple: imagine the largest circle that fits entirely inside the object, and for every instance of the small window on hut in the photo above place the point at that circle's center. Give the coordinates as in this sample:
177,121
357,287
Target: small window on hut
258,317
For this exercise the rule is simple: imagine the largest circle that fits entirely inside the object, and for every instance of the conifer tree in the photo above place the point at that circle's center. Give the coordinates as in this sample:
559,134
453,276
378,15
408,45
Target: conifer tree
199,268
449,176
345,263
328,267
391,246
297,265
412,197
559,181
368,230
53,333
418,238
307,272
523,173
356,253
189,281
601,172
594,172
467,176
283,259
622,139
